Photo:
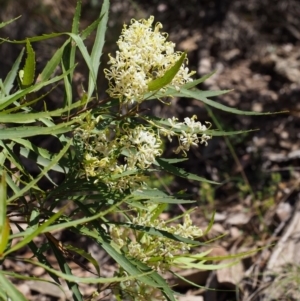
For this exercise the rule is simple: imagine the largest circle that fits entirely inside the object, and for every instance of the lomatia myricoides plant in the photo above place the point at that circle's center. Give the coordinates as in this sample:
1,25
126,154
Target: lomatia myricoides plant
110,149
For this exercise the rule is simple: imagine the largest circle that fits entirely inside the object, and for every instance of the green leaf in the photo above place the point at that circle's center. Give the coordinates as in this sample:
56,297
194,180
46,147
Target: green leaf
6,101
119,258
29,68
87,31
2,201
196,82
163,163
3,157
192,284
163,286
85,255
64,267
40,256
30,131
159,233
167,78
76,18
2,88
35,38
176,160
74,223
97,47
216,133
68,60
4,222
87,280
10,289
52,64
2,24
155,196
202,96
30,235
196,257
190,263
113,250
76,38
41,156
26,117
79,43
211,223
31,184
12,74
13,158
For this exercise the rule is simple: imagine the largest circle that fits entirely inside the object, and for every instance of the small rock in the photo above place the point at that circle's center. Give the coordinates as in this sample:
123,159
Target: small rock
38,271
235,232
218,228
24,289
219,217
238,219
283,211
204,66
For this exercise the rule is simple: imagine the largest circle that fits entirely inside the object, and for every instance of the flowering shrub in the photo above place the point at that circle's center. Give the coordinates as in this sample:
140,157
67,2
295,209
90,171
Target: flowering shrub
144,54
108,150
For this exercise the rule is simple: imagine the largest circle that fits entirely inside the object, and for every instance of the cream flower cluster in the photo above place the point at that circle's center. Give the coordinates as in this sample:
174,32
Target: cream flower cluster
138,291
110,152
155,251
144,54
189,133
137,147
142,146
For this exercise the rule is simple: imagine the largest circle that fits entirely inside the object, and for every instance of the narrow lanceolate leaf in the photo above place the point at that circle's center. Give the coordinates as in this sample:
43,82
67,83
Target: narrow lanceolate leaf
40,256
29,68
97,47
155,196
6,101
32,184
87,280
88,30
75,24
4,236
2,200
33,152
85,255
2,24
73,286
203,97
75,37
198,81
52,64
30,131
34,39
32,234
26,117
68,58
10,290
114,251
161,82
12,74
211,223
159,233
181,172
4,222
